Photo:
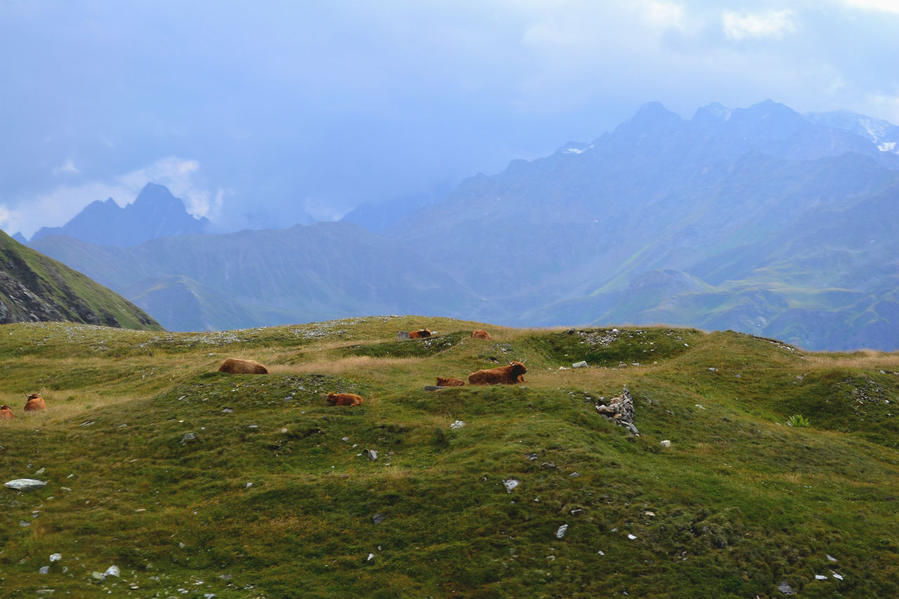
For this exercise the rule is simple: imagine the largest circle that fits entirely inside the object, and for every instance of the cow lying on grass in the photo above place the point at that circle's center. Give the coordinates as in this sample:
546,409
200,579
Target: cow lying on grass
480,334
344,399
449,382
6,413
503,375
238,366
35,402
420,334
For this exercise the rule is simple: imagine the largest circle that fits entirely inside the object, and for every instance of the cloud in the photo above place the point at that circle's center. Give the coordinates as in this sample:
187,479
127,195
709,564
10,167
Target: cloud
665,14
58,205
66,168
880,5
743,26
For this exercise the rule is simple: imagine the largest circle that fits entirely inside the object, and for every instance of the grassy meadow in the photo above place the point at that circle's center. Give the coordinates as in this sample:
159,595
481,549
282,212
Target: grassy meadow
196,483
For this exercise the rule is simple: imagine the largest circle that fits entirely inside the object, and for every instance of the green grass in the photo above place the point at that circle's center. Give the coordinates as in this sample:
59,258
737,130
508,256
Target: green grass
737,504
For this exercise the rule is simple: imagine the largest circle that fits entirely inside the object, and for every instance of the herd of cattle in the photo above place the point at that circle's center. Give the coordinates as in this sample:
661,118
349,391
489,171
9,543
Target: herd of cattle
503,375
34,403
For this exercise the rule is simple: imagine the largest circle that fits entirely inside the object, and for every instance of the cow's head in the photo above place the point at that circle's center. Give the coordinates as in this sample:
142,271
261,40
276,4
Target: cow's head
517,368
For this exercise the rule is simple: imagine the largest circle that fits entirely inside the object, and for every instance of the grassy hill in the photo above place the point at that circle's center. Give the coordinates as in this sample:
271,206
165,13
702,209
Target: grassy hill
193,482
34,287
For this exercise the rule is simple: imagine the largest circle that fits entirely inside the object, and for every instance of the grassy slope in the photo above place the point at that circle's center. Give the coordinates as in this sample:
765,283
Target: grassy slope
739,503
60,286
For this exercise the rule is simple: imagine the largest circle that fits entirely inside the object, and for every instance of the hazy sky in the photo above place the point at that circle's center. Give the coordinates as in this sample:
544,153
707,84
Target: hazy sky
258,112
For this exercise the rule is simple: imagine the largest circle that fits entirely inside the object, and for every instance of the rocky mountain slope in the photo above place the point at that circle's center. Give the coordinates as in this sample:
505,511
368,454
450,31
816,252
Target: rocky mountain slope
759,469
34,287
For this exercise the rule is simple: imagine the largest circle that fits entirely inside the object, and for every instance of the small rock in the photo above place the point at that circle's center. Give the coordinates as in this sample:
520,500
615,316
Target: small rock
253,427
511,483
457,425
55,557
665,443
24,524
370,557
227,410
25,484
98,575
112,571
581,364
820,577
40,471
574,474
531,456
631,537
785,588
837,576
372,454
44,569
248,485
344,439
700,406
600,552
560,532
188,438
576,511
650,514
830,558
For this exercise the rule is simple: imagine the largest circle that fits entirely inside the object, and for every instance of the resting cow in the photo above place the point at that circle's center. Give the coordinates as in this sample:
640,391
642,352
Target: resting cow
480,334
504,375
6,413
449,382
35,402
419,334
344,399
238,366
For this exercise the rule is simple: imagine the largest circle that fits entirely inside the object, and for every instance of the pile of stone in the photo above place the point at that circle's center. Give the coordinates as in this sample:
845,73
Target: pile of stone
621,410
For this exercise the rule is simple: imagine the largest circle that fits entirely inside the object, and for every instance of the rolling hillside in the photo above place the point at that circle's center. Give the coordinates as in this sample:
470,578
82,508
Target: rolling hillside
34,287
194,483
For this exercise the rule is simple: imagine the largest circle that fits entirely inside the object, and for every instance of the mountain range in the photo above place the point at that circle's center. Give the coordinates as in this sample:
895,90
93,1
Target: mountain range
757,219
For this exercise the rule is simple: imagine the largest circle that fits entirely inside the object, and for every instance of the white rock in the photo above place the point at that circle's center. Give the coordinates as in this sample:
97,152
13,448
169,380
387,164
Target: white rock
372,454
601,552
112,571
25,484
830,558
511,483
581,364
837,576
820,577
44,569
665,443
630,536
560,532
370,557
457,425
55,557
248,485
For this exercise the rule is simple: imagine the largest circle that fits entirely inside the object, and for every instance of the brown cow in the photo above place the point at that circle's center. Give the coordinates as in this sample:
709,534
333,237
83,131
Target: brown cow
238,366
449,382
503,375
6,413
344,399
480,334
419,334
35,402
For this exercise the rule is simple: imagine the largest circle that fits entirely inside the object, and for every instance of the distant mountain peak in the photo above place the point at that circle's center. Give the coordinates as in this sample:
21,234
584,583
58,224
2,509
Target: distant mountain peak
154,213
714,112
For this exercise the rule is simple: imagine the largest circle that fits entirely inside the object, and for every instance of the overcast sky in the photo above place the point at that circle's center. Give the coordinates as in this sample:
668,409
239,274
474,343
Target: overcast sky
259,112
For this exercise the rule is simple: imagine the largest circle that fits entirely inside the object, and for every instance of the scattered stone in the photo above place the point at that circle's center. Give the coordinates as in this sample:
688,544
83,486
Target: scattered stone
576,511
344,439
600,552
227,410
372,454
44,569
253,427
55,557
39,471
248,485
112,571
378,518
581,364
650,514
700,406
24,524
820,577
188,438
531,456
457,425
511,483
370,557
837,576
830,558
665,443
785,588
560,532
631,537
25,484
713,370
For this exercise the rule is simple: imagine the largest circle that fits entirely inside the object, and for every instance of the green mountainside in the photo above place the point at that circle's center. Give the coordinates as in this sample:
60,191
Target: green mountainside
34,287
194,483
